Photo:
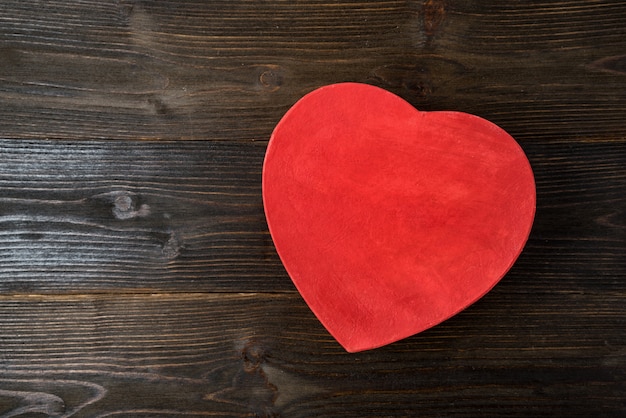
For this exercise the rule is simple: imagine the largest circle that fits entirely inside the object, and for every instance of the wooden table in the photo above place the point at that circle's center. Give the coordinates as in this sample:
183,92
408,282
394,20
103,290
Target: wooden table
137,275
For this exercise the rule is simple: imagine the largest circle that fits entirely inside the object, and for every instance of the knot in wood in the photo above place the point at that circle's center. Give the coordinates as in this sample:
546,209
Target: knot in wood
271,78
124,207
123,203
171,248
253,356
434,13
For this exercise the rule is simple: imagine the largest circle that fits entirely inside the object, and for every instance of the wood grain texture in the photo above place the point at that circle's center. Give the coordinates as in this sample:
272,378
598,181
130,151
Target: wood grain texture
137,276
103,216
229,69
266,355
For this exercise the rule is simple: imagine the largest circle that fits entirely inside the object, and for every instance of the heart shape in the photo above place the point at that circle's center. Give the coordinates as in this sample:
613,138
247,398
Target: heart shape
390,220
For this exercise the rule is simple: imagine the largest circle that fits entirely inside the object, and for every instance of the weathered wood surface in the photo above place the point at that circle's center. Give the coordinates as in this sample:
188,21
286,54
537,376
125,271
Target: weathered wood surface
137,276
266,355
229,69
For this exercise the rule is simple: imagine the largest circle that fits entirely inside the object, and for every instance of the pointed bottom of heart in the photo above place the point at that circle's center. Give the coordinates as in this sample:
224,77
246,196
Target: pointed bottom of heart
390,220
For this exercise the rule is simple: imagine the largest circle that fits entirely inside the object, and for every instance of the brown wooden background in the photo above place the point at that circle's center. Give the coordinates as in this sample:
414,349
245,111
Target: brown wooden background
137,275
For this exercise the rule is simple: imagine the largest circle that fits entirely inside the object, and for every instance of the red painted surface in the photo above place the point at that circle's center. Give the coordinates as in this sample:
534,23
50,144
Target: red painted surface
390,220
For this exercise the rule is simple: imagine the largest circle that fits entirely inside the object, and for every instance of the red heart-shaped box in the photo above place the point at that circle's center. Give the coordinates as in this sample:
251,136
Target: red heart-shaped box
390,220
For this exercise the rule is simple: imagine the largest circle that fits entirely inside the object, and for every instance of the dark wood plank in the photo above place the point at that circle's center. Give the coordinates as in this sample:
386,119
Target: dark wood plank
188,216
228,70
137,216
579,231
266,355
137,276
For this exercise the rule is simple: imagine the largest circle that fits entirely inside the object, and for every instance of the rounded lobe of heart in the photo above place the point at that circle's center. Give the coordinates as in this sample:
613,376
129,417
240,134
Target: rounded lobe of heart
390,220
